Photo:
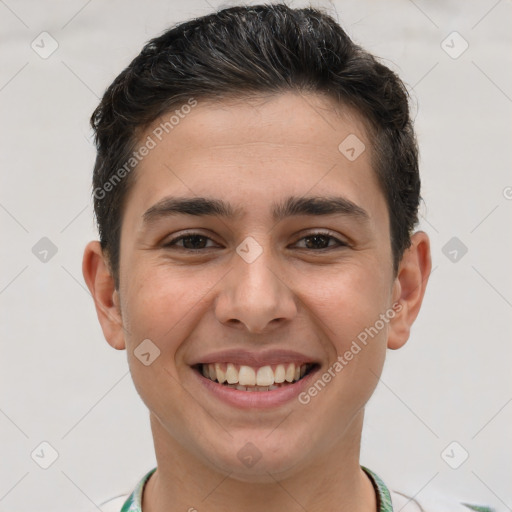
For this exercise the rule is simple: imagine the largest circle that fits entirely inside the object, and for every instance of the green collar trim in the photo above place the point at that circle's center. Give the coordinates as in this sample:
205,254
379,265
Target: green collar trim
383,497
384,504
134,501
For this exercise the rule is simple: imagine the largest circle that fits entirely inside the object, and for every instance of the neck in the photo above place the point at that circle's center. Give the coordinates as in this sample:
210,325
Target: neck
333,481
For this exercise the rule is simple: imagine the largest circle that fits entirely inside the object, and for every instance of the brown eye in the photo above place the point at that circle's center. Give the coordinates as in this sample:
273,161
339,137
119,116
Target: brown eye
319,241
191,242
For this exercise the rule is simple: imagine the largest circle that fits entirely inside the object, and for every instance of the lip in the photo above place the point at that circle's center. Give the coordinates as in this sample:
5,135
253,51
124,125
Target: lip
256,399
255,359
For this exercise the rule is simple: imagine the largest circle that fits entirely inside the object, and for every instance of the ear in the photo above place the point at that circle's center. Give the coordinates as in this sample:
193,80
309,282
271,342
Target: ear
409,288
101,284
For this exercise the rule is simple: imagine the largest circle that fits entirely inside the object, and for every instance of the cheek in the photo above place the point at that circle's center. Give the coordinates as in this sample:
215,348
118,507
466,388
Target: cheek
349,307
346,309
153,308
160,308
349,301
164,304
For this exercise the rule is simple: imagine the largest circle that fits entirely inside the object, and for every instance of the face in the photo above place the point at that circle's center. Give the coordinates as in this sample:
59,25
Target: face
253,250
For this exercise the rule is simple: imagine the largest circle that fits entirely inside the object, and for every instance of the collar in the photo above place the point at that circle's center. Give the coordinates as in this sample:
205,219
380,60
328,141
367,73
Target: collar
134,501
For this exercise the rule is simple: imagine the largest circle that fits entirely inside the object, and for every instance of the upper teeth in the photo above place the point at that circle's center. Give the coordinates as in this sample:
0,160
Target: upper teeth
249,376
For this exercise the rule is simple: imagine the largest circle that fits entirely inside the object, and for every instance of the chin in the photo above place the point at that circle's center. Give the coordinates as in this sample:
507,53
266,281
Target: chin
259,462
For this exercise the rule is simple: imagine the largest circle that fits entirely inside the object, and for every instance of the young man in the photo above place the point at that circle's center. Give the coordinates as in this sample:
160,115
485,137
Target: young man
256,189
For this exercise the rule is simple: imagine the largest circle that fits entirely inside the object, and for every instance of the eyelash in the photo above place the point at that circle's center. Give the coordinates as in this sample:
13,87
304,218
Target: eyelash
340,243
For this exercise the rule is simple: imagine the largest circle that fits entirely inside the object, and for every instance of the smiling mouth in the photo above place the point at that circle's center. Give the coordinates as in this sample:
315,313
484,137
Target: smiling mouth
248,378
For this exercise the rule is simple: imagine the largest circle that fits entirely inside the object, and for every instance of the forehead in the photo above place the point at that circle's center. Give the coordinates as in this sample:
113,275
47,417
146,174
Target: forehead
256,150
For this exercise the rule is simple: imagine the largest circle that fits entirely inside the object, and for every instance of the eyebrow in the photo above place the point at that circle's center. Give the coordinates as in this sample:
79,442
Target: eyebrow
292,206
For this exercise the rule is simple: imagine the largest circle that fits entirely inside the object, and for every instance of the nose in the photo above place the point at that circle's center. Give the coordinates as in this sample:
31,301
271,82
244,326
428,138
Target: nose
255,296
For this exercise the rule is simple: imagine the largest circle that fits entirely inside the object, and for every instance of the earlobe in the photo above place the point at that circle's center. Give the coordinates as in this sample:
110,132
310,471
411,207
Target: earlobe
106,298
409,288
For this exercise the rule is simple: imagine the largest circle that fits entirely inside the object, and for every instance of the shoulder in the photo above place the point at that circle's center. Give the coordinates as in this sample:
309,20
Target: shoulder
434,503
127,502
427,502
401,502
392,500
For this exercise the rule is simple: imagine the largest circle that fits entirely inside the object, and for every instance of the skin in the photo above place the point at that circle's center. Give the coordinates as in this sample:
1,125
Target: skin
315,301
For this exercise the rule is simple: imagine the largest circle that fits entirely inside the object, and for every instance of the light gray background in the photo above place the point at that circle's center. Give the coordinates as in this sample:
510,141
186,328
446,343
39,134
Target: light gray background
62,383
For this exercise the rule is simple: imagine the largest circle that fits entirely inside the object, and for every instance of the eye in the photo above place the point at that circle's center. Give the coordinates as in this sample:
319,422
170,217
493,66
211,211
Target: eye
197,242
321,241
190,242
